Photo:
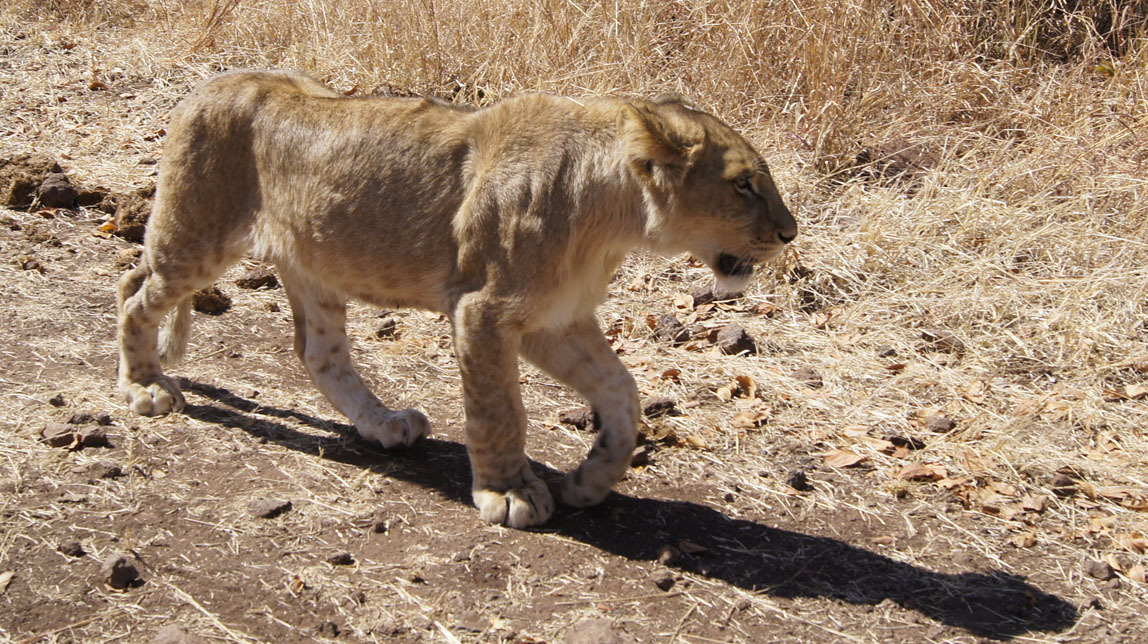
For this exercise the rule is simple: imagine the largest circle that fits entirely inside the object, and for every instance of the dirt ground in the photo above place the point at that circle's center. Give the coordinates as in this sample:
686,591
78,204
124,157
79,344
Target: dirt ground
731,528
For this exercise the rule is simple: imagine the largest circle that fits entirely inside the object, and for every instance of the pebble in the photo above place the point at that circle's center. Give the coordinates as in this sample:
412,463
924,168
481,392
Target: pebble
595,631
798,481
57,191
211,301
732,339
119,570
268,508
341,559
807,376
385,328
659,406
669,329
1098,570
72,548
939,424
258,277
663,579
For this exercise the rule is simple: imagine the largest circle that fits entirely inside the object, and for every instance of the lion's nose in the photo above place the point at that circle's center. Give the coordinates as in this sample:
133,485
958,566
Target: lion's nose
786,238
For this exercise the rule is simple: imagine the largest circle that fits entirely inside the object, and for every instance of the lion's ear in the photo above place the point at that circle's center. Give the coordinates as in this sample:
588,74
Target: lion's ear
660,145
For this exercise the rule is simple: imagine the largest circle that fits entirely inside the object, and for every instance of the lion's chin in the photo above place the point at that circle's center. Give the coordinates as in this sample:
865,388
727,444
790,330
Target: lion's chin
731,272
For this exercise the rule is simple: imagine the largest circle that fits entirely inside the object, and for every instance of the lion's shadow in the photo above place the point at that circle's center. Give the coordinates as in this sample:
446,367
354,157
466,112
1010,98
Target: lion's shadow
743,553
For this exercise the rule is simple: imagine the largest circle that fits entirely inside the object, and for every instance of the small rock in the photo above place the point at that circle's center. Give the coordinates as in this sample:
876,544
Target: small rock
663,579
640,457
595,631
732,340
29,263
908,442
80,418
211,301
807,376
385,328
341,559
659,406
272,307
103,419
119,571
256,278
939,424
58,434
942,340
579,418
668,555
175,634
797,480
57,191
92,437
104,470
72,548
1062,485
712,293
329,629
669,329
886,351
268,508
1098,570
57,400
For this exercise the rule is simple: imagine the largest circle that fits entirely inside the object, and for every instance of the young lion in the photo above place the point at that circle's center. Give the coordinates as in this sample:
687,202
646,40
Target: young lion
511,220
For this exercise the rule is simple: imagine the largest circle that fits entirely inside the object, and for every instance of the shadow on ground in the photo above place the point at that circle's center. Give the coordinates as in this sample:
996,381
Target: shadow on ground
749,555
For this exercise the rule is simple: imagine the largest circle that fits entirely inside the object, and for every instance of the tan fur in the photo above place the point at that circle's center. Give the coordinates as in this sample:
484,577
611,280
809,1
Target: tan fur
511,220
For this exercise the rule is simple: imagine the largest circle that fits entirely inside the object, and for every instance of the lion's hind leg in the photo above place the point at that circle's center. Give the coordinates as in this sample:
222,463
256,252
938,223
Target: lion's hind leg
321,343
580,357
144,297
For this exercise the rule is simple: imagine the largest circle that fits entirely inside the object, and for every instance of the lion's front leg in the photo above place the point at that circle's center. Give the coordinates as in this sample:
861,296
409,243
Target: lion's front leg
505,489
580,356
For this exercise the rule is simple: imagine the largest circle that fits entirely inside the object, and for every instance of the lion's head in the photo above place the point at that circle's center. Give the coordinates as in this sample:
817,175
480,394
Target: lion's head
708,191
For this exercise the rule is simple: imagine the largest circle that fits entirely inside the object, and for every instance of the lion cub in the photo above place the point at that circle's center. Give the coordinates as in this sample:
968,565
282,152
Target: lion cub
511,220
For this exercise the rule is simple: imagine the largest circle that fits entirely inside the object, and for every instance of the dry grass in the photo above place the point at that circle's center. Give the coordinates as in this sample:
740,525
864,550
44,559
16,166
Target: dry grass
1023,234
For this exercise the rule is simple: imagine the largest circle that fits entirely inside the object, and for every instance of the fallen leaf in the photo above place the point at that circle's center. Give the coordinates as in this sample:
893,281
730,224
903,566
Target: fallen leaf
1131,541
922,472
883,540
671,374
5,579
683,301
842,458
1136,573
746,387
1101,524
751,418
976,391
1034,503
696,442
1137,391
1023,540
855,431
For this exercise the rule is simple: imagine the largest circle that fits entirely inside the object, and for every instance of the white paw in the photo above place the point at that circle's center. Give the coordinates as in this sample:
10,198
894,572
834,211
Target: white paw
154,399
588,485
519,507
394,428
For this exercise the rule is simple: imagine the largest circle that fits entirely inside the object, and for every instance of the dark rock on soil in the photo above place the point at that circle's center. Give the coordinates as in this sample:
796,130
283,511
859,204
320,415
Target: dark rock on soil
669,329
733,339
659,406
57,191
798,481
268,508
579,418
257,278
1098,570
807,376
72,548
939,424
211,301
385,328
119,571
663,579
712,293
341,559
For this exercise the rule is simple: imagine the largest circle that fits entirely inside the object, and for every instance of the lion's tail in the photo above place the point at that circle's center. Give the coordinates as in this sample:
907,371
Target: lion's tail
173,334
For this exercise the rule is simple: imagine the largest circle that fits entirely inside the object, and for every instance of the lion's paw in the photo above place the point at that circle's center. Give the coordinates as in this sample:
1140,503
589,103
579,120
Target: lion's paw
154,399
394,428
519,507
588,485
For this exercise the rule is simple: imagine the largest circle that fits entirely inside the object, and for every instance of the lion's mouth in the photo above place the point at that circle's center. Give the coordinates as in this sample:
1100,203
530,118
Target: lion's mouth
733,266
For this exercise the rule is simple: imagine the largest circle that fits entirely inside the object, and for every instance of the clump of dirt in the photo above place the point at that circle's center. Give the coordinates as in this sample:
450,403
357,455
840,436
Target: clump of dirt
132,212
21,176
211,301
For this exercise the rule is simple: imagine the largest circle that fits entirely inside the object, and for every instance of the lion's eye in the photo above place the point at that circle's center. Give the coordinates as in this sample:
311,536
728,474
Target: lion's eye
744,186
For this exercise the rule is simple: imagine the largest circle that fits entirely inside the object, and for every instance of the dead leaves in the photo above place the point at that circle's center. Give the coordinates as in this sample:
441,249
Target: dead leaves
842,458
